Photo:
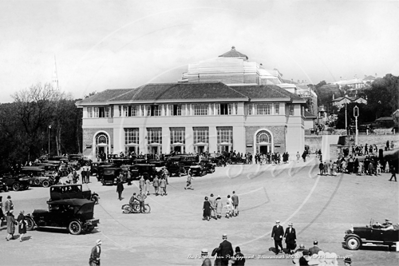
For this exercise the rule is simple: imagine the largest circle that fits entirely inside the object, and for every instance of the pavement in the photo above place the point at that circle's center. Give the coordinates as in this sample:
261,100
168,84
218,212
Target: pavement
320,207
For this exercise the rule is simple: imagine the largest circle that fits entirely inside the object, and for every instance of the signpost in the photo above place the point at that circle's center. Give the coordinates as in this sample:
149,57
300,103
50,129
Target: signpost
356,114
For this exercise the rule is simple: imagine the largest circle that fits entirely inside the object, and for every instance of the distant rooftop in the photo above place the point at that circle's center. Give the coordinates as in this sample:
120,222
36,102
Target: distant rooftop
234,53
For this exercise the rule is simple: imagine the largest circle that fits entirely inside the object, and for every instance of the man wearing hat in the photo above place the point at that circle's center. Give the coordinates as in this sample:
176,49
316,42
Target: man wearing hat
8,205
95,254
290,238
204,255
305,258
277,235
226,251
347,261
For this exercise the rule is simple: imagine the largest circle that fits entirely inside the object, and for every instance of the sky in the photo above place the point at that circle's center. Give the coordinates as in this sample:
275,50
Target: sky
107,44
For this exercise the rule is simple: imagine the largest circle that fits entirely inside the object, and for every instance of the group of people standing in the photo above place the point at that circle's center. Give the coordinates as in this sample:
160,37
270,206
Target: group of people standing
224,255
268,158
9,217
213,207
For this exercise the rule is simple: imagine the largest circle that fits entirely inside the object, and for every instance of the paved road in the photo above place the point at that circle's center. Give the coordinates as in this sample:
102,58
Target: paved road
321,208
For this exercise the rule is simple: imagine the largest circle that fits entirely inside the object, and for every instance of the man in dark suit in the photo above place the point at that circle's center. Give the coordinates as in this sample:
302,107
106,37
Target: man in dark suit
277,235
226,251
315,249
95,254
290,238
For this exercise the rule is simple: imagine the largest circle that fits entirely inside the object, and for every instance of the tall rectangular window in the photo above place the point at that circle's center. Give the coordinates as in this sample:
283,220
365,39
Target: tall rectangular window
96,112
250,109
155,110
89,112
176,109
154,135
177,135
132,136
263,109
200,109
224,135
201,135
277,108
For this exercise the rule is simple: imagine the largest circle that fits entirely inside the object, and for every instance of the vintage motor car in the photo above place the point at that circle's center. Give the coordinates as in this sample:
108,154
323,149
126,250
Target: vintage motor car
72,191
173,166
197,169
208,165
16,182
370,234
75,215
189,160
148,171
110,174
39,176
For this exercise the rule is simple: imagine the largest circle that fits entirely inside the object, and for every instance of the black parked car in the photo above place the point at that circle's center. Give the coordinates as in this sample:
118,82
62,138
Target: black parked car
38,176
16,182
75,215
73,191
3,187
357,236
146,170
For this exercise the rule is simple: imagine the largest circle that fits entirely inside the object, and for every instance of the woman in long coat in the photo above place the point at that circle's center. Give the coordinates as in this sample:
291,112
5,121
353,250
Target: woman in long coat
10,225
21,225
219,207
119,188
206,209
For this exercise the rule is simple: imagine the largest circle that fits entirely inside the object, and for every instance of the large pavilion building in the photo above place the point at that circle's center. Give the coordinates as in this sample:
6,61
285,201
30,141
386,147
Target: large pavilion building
193,117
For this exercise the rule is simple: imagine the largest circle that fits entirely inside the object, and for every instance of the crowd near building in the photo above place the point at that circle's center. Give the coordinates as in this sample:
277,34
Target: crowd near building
221,105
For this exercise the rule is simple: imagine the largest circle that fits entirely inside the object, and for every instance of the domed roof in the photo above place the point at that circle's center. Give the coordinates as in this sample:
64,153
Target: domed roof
234,53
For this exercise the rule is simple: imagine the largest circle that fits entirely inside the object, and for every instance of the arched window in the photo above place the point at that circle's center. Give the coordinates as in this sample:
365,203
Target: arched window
102,139
263,137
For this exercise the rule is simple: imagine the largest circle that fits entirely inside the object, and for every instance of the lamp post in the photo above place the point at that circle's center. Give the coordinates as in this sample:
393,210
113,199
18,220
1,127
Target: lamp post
356,114
49,134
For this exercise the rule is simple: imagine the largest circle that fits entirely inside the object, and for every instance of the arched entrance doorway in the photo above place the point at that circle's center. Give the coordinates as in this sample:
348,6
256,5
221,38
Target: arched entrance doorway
263,142
102,143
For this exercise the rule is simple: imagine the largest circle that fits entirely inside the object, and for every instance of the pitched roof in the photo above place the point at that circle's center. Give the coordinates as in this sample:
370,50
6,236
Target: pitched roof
180,91
155,92
266,92
234,53
104,96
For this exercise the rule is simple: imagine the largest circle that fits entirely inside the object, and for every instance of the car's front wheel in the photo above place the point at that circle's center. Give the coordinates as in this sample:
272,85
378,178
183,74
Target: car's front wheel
30,224
353,243
16,186
46,183
75,227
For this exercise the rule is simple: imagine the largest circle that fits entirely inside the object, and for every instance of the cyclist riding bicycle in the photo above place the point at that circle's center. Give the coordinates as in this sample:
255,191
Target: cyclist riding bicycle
134,201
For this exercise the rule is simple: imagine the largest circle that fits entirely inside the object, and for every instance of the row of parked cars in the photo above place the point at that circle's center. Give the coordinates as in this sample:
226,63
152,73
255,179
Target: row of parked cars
43,173
177,165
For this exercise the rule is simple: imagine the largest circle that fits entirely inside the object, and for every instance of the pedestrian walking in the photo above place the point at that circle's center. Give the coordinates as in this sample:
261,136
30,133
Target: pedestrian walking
8,205
155,183
142,184
277,235
148,183
229,206
204,255
219,207
206,215
239,258
83,174
10,225
298,156
189,180
162,185
393,172
141,198
226,251
213,206
235,200
2,216
95,254
290,238
21,225
119,188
